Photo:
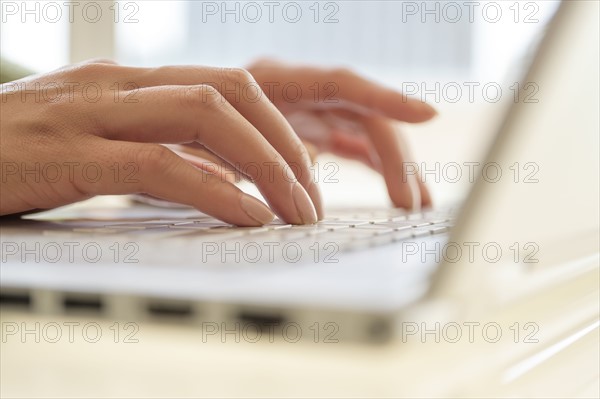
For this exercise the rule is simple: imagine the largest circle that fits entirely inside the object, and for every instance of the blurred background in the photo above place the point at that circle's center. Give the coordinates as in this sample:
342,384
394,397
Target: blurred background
428,45
428,39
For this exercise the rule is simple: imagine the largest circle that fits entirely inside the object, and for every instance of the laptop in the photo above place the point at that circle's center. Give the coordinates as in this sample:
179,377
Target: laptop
527,227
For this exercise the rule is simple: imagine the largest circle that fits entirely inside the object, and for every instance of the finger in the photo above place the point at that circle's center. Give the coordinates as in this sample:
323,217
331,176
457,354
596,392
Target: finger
106,61
347,137
162,174
402,187
354,146
206,160
387,133
325,131
208,166
340,133
337,87
183,114
312,150
200,151
426,200
240,89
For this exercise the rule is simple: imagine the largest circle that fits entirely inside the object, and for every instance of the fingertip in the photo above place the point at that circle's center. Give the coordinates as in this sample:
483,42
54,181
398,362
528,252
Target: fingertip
423,112
307,212
415,111
404,202
426,201
258,212
429,110
315,195
401,195
407,193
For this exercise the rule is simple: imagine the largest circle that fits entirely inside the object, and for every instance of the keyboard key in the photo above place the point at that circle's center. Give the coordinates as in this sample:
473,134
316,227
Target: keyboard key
309,229
440,230
332,226
396,225
420,232
137,226
376,229
402,235
415,216
278,226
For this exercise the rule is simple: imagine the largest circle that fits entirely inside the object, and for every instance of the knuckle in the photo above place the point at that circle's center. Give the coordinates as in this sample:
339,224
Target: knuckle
201,96
342,73
239,75
166,70
89,69
261,62
299,151
104,61
152,158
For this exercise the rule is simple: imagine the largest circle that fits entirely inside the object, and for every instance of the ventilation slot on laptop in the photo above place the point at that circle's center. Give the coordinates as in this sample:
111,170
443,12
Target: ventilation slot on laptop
170,309
263,320
17,299
82,303
379,331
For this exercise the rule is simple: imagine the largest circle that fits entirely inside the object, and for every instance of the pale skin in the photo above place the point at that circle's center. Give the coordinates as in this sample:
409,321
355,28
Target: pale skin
221,119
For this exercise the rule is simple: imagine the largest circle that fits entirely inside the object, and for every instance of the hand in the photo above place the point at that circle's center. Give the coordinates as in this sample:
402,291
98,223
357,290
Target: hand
352,117
341,112
93,129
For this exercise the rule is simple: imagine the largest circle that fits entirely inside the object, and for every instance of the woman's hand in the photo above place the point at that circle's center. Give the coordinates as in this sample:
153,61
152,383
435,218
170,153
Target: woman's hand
348,115
97,128
341,112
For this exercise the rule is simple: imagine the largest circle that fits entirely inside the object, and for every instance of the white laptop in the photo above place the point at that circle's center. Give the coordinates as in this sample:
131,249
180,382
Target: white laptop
361,270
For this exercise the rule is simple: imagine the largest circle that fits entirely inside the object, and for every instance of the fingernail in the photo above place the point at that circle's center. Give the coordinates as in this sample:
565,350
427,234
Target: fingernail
256,210
304,205
315,194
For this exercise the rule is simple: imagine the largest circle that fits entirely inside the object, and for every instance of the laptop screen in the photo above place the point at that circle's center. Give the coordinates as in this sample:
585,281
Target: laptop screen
536,203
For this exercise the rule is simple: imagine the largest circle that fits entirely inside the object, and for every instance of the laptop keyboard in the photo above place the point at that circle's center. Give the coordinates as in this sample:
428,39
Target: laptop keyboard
340,231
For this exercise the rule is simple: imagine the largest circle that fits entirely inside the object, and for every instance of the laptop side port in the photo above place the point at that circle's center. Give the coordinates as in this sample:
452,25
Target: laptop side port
20,299
379,331
264,320
82,303
170,309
